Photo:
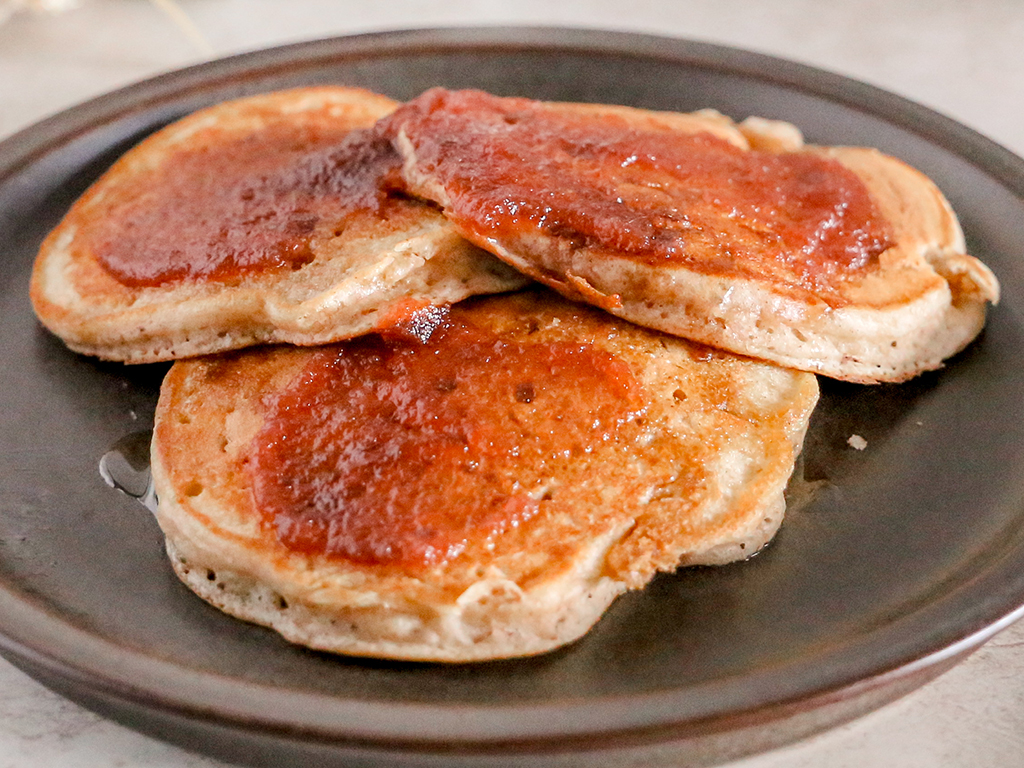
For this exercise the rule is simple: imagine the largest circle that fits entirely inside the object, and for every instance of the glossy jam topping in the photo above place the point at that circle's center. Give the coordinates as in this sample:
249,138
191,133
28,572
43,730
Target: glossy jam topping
403,449
229,207
514,167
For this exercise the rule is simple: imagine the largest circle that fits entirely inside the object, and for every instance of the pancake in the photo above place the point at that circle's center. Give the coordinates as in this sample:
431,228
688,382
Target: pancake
263,219
837,260
467,483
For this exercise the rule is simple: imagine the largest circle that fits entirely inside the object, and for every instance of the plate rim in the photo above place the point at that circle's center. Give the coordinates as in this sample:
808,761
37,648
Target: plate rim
44,640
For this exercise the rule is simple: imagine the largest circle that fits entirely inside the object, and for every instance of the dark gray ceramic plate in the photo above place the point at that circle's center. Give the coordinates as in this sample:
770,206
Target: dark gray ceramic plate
906,556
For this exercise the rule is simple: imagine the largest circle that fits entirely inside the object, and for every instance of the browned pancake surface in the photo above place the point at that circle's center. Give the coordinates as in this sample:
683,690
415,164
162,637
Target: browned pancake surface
527,442
841,261
268,218
514,170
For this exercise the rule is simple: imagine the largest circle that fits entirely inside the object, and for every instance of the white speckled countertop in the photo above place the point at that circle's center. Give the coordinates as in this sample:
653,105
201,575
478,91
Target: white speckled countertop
965,60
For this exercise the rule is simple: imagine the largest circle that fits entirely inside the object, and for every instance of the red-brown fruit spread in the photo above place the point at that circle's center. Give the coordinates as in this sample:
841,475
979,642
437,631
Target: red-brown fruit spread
231,207
515,168
404,448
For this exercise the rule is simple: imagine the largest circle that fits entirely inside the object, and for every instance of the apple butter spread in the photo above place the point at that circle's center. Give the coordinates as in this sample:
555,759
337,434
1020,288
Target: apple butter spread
404,447
513,170
222,207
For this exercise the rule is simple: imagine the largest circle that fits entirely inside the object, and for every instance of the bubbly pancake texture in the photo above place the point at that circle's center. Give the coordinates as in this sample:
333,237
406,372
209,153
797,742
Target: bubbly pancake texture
467,484
842,261
264,219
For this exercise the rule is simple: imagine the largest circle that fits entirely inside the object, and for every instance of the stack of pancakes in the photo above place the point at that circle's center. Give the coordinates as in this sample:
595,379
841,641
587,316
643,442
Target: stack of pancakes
360,449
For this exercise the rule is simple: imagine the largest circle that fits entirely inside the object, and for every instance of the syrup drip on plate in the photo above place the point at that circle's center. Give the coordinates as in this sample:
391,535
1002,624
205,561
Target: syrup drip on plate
125,467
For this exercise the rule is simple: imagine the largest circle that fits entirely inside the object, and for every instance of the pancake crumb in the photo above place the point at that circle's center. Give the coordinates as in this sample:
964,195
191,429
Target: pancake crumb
857,442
